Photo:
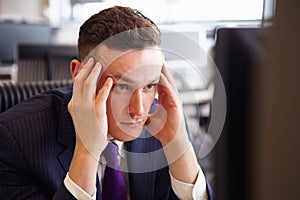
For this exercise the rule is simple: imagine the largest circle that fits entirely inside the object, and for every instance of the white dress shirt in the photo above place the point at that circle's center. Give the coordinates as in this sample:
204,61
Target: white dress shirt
181,189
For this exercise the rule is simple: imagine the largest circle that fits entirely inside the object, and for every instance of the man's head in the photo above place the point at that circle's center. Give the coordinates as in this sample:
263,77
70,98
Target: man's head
125,43
138,31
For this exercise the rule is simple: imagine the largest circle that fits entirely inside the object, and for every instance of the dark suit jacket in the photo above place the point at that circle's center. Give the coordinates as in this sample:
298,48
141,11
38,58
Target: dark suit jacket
37,140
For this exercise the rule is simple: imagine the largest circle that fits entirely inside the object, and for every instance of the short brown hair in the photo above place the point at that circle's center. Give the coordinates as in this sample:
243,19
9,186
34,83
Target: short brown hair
140,31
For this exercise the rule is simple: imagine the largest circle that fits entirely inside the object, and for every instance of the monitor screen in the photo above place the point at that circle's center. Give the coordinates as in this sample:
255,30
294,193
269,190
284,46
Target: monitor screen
13,33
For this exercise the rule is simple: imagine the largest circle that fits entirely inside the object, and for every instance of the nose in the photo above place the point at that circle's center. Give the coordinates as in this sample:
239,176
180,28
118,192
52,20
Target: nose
135,107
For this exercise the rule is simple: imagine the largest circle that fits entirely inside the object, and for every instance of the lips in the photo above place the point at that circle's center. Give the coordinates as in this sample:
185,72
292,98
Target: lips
134,123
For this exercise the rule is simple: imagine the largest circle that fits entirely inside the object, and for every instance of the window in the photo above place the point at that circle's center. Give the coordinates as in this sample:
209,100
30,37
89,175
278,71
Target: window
174,11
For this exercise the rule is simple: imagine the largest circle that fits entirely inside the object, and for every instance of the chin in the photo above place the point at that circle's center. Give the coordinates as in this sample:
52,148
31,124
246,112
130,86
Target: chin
125,137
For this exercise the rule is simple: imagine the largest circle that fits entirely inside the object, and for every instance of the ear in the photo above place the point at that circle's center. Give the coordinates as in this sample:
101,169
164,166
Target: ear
75,66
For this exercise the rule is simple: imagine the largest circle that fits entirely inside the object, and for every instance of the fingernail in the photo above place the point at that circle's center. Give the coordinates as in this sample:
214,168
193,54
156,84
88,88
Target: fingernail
91,59
98,64
110,79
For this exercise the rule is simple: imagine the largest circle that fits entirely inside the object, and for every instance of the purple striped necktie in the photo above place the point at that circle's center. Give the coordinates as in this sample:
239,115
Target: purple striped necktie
113,186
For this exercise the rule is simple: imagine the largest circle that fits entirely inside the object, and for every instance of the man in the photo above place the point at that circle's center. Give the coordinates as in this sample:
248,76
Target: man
51,146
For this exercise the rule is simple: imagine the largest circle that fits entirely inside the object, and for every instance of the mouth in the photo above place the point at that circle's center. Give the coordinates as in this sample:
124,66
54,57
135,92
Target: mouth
133,124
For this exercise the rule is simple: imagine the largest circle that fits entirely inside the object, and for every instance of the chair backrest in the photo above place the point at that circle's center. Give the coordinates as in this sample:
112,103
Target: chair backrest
32,70
59,58
13,93
40,62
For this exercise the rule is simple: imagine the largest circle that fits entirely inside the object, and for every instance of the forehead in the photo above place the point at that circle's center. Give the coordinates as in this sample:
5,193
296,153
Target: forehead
132,65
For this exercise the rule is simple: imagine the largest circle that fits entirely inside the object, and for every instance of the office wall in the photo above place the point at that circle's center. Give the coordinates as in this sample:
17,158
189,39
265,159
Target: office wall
29,10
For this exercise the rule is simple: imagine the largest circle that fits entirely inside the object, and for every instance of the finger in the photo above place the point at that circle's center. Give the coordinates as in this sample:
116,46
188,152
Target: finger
81,77
90,84
164,85
104,91
166,91
156,120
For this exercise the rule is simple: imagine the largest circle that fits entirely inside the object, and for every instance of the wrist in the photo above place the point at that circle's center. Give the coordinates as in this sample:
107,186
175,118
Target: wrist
84,161
90,150
175,148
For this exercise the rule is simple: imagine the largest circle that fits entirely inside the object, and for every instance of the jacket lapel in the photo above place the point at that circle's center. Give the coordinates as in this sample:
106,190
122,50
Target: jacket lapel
66,133
142,172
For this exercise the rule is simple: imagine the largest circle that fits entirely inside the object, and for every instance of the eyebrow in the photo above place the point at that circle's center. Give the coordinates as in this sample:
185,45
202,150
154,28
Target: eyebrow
123,79
128,80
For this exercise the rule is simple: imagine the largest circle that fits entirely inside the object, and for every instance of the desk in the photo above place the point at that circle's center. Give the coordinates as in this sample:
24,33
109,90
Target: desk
197,96
194,83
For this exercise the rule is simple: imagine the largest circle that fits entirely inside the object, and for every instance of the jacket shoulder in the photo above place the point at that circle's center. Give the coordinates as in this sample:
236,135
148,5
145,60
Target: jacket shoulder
49,101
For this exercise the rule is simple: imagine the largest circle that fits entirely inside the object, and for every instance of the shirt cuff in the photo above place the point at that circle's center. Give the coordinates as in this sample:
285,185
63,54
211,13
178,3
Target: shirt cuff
190,191
76,191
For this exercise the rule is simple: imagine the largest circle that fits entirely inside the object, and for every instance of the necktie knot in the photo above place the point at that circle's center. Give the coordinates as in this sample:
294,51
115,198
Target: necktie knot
111,155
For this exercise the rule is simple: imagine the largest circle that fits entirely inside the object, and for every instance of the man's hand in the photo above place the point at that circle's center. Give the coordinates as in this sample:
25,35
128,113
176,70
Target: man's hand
88,108
167,121
88,111
168,126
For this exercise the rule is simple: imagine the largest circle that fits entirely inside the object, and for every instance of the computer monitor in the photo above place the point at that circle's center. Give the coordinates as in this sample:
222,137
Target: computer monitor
185,51
13,33
238,52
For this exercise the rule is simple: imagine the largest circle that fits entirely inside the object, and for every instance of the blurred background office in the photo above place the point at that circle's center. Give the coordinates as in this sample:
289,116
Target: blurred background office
253,44
58,21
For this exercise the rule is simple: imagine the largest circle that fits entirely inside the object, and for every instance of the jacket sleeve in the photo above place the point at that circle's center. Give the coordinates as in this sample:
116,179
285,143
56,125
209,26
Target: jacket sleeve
63,193
16,180
210,192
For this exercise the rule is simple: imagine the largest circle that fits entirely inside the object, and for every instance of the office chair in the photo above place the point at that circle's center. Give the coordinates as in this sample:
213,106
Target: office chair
13,93
40,62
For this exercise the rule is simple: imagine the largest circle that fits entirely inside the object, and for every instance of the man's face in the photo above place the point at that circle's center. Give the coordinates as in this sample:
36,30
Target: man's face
135,74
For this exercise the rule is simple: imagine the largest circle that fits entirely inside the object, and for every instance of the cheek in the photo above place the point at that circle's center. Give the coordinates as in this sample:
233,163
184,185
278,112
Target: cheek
116,106
148,100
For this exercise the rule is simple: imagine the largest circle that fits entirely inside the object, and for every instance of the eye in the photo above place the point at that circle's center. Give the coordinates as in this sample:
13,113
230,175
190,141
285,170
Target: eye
149,87
119,87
